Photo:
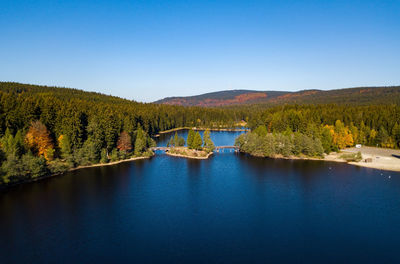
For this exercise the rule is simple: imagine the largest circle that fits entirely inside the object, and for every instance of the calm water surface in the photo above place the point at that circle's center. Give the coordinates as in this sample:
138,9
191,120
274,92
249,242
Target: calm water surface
228,209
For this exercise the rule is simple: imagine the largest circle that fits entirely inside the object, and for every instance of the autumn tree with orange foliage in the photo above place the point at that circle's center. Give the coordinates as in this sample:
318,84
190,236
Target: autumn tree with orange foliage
124,143
341,135
39,140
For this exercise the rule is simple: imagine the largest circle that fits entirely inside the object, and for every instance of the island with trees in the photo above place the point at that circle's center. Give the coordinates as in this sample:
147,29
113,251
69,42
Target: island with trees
197,148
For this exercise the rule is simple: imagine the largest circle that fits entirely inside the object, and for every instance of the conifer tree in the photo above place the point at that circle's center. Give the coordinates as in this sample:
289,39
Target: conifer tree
190,137
176,139
197,141
208,144
64,145
140,143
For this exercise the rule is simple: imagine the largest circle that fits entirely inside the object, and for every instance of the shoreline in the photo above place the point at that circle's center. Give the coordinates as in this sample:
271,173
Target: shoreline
188,157
110,163
378,162
372,166
6,186
335,157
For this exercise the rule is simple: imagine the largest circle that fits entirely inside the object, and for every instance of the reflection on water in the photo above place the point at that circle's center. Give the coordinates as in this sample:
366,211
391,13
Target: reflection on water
229,208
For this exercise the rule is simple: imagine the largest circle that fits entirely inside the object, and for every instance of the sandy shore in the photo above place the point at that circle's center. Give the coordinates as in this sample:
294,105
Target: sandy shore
109,164
189,157
379,158
374,158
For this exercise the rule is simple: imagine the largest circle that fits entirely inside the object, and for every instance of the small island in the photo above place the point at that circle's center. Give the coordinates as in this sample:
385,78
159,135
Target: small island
186,152
197,148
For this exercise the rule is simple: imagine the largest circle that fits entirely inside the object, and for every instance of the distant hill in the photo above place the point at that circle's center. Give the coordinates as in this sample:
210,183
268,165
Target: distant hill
359,96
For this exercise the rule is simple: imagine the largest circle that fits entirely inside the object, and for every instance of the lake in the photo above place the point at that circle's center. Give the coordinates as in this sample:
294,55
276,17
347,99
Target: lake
231,208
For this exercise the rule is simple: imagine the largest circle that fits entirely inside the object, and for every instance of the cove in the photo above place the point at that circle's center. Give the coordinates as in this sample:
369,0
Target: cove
231,208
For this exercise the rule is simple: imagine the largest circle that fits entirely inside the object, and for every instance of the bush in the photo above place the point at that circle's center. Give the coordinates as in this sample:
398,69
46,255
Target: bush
58,166
12,168
35,166
352,157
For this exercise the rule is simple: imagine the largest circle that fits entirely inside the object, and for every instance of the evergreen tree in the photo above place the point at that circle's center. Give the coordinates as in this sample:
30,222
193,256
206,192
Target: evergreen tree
382,137
197,141
11,144
12,168
208,144
176,139
35,166
140,143
114,155
64,145
111,131
190,138
171,142
261,131
104,158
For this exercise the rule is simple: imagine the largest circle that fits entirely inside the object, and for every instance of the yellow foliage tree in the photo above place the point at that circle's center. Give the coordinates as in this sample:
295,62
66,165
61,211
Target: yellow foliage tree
372,134
39,140
341,135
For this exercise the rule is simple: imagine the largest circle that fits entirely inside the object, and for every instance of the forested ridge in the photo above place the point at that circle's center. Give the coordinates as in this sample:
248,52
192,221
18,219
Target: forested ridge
353,96
46,130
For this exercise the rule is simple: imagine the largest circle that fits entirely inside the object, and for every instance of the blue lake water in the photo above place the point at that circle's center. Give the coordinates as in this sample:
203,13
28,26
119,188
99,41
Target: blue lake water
231,208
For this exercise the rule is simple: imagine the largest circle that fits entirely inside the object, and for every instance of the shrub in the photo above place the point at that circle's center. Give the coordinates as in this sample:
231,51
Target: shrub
352,157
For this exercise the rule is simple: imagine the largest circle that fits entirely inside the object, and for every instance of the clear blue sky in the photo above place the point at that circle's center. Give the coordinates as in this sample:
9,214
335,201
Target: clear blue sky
146,50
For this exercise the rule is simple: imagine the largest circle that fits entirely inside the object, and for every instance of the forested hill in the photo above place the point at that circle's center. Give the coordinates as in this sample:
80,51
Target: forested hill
353,96
57,92
62,108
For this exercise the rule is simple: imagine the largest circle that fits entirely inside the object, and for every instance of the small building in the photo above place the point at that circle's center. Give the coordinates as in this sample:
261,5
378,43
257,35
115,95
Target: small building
368,160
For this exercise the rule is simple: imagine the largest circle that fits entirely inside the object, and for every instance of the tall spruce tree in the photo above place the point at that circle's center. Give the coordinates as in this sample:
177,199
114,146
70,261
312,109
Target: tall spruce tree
176,139
190,138
208,144
197,141
140,143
